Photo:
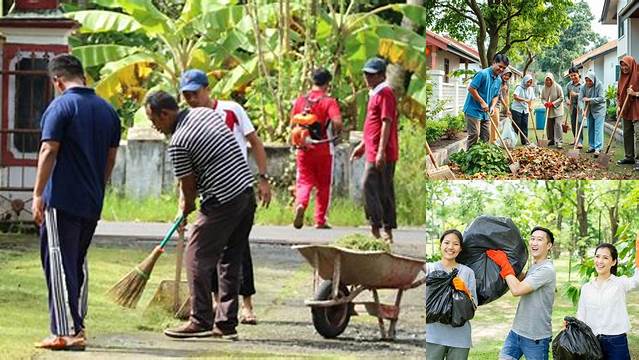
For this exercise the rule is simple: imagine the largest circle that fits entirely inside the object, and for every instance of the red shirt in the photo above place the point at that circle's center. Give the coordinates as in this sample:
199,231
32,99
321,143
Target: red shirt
382,104
325,109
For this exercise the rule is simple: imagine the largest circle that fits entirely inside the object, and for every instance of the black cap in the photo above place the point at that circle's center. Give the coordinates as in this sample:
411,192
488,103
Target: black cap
375,66
321,77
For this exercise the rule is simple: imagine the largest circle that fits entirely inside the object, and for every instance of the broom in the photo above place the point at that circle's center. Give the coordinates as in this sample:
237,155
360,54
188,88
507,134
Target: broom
128,290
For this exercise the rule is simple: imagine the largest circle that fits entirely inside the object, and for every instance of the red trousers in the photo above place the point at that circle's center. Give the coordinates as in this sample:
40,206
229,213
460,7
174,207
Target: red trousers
314,169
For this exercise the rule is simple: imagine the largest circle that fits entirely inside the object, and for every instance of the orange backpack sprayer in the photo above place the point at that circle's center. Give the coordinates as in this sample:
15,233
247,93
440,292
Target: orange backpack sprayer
307,129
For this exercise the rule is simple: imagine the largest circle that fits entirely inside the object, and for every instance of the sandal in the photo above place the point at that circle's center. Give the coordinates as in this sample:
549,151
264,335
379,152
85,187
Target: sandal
248,318
67,343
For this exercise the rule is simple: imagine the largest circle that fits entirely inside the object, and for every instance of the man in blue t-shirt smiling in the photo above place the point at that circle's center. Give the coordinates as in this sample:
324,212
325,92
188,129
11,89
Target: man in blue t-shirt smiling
80,136
482,97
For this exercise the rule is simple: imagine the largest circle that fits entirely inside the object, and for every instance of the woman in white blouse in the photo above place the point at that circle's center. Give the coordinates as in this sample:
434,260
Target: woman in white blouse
602,304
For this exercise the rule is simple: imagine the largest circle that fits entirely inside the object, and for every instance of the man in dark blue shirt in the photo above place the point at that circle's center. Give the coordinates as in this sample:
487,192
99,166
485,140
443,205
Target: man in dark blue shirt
80,136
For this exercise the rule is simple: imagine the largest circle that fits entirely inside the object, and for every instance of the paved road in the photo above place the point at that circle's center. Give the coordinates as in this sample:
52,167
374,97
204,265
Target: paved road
141,233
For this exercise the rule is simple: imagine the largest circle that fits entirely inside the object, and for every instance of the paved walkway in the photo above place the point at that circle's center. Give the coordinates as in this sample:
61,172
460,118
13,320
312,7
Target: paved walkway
130,233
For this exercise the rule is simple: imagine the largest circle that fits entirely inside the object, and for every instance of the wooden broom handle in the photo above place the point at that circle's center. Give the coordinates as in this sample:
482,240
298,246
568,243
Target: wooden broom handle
430,154
581,127
512,160
623,107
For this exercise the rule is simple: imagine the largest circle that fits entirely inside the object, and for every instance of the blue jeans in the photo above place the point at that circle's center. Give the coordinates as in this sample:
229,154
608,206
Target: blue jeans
595,132
515,346
614,347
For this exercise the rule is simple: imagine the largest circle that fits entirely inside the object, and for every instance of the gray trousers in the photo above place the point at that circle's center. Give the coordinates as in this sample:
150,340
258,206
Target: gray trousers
631,139
379,196
441,352
553,129
476,130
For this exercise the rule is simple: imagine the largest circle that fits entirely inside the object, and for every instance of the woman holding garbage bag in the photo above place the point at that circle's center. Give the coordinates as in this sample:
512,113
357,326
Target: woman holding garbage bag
443,341
522,103
602,304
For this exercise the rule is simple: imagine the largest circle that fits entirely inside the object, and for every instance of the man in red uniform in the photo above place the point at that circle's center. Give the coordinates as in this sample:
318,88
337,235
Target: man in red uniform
315,161
381,146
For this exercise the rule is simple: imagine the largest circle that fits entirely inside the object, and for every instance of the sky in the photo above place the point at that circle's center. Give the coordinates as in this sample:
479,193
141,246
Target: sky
609,31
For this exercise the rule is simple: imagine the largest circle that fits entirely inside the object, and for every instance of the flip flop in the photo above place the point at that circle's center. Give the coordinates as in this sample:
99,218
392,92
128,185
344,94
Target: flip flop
248,320
64,343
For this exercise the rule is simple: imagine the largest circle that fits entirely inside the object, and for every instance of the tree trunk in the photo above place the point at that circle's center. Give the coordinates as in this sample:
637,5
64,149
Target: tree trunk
582,216
613,213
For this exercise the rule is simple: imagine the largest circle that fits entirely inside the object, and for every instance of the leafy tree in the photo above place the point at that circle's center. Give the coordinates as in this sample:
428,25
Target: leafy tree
500,25
574,41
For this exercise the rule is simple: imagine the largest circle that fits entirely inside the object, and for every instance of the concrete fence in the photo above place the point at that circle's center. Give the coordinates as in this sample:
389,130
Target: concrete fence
143,168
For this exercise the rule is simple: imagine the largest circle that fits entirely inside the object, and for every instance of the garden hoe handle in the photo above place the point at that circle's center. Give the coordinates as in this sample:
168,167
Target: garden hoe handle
512,160
519,130
171,231
581,127
430,154
623,107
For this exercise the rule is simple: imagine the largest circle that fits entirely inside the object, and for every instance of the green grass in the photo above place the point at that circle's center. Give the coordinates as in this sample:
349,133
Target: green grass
23,301
493,321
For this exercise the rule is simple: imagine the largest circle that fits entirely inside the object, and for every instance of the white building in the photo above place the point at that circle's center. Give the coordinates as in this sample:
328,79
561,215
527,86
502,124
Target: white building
624,14
603,61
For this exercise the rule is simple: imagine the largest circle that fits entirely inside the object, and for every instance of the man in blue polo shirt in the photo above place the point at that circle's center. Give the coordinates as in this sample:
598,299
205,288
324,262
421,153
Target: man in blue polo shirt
80,136
482,97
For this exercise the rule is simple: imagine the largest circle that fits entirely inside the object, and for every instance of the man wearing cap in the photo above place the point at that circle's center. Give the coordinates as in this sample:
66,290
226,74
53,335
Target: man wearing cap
482,97
315,161
194,87
532,328
381,146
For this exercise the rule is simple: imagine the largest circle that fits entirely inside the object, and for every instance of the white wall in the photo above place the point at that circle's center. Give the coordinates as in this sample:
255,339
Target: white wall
609,69
632,37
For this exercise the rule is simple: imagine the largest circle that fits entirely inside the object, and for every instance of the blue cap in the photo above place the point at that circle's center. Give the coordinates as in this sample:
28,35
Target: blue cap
374,66
193,80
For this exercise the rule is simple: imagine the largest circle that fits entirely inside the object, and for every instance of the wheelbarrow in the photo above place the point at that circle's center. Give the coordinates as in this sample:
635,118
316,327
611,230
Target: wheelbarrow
348,273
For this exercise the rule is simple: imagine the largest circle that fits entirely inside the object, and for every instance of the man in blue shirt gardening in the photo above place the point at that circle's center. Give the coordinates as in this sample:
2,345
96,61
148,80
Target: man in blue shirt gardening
80,137
482,97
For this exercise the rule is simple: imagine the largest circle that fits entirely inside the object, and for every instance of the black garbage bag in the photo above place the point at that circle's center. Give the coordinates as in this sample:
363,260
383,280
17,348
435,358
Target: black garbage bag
463,308
439,297
496,233
445,304
576,342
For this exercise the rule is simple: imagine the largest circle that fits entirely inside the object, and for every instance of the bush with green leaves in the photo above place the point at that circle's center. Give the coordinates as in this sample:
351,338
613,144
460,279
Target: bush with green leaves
361,242
435,129
455,124
481,158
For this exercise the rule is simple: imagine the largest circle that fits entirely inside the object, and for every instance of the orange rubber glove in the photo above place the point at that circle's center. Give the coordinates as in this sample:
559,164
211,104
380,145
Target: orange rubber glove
501,259
460,285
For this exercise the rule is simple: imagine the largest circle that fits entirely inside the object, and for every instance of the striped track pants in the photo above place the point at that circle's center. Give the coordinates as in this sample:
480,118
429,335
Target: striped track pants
64,241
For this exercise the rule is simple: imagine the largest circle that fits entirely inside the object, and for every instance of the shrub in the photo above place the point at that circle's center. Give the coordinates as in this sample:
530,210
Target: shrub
481,158
435,129
455,124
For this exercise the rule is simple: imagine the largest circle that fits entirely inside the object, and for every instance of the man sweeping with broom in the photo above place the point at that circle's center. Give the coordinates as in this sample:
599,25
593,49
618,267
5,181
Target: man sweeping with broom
80,137
207,160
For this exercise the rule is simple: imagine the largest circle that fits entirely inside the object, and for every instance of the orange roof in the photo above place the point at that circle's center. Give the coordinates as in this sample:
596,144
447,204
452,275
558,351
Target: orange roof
607,47
447,43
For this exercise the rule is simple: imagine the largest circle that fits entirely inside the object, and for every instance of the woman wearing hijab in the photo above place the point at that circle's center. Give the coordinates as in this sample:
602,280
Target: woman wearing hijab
628,79
553,95
522,105
592,96
504,94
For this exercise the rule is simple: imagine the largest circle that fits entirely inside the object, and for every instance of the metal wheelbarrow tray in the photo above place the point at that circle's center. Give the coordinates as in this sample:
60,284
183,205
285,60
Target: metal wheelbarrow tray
346,274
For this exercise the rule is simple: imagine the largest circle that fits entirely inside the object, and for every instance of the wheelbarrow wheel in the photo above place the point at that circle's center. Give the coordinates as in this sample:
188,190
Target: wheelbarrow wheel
331,321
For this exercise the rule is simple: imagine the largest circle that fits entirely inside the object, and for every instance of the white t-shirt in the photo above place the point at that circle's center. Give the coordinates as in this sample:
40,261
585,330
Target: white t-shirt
237,119
603,306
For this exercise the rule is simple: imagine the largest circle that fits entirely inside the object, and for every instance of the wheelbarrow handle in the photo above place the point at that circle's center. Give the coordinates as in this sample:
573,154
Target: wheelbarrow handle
172,230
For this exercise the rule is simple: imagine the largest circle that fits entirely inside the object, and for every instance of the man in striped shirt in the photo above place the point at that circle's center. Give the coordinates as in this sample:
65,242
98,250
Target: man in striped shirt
194,86
208,161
